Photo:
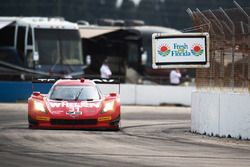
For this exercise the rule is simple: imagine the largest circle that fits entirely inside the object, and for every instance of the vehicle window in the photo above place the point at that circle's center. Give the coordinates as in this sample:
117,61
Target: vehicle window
20,40
147,42
132,53
7,35
74,93
58,47
30,37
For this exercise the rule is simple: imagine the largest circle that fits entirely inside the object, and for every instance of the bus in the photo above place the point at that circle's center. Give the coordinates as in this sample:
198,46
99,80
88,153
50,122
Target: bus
39,46
105,43
128,49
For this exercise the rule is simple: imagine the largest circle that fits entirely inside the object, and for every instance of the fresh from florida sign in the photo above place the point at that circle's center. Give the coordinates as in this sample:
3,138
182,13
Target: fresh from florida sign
180,50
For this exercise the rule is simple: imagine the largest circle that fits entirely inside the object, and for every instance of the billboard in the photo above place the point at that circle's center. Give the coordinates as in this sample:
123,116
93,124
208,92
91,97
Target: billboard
186,50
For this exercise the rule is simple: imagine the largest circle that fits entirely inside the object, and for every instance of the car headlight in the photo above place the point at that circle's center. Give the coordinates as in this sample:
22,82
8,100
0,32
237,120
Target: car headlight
109,106
38,106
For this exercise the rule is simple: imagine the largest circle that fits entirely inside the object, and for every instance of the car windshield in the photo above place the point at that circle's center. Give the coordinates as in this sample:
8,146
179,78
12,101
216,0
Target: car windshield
61,92
58,47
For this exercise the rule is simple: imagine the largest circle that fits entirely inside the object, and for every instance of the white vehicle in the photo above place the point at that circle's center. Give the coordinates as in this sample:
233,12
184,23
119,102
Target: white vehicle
40,44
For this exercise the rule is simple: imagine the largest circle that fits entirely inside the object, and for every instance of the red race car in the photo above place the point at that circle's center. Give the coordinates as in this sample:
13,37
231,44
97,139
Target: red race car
74,104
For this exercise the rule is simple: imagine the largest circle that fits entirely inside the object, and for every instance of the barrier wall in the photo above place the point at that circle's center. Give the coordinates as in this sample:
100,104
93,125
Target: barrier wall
130,93
221,114
151,94
20,91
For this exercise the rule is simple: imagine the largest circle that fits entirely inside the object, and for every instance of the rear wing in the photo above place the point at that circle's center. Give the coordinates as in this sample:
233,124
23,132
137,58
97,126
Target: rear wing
39,82
96,80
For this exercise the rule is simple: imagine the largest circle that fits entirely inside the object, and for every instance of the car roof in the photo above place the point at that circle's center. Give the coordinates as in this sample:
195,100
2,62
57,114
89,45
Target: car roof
75,82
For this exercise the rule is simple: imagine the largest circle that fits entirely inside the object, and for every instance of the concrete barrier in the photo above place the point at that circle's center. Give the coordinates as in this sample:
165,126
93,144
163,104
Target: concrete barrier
221,114
158,94
151,94
130,93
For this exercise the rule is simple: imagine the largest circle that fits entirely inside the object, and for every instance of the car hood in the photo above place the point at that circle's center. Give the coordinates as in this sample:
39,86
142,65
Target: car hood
89,108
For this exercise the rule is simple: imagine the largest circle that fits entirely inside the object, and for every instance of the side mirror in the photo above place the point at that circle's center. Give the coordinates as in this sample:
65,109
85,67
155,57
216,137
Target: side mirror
36,93
88,60
112,94
35,56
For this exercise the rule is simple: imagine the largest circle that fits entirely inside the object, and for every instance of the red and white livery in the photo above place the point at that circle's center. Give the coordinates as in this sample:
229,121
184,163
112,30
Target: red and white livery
74,104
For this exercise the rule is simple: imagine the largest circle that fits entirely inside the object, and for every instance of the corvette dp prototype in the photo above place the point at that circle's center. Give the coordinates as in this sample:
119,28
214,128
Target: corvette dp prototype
74,104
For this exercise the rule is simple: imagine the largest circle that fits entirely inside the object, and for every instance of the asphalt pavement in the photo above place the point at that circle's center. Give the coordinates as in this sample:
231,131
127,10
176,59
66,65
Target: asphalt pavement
150,136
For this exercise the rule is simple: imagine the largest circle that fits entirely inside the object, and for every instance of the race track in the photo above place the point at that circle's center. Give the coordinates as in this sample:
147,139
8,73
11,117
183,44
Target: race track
150,136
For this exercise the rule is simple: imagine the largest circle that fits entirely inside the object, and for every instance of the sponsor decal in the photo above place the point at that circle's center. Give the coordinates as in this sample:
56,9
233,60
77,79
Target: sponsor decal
197,49
73,113
74,105
42,118
180,50
57,112
106,118
164,50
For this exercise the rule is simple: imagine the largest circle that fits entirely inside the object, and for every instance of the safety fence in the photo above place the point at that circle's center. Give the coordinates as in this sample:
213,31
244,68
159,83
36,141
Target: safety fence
229,31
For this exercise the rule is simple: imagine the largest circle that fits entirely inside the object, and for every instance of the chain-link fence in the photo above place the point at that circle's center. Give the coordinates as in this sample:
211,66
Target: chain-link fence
229,31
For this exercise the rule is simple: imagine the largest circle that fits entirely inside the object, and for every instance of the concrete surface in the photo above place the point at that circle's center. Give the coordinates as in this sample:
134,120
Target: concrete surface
150,136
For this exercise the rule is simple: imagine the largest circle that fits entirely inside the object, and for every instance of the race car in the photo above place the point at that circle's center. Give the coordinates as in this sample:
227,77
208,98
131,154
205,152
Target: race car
74,104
